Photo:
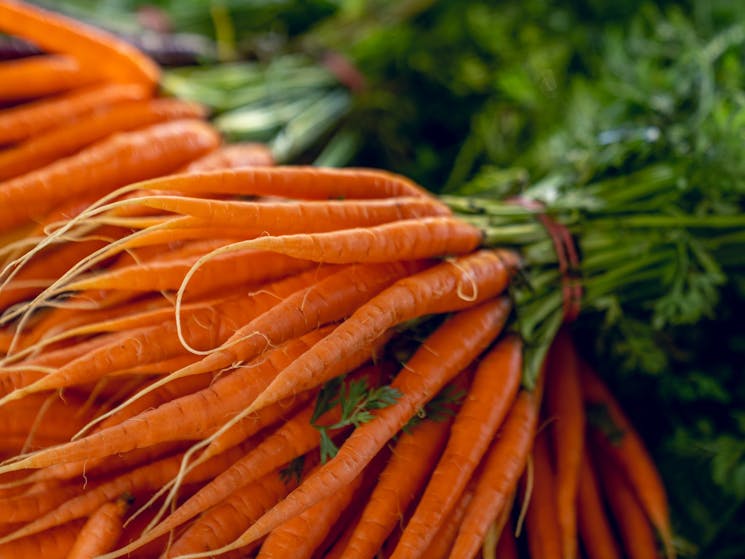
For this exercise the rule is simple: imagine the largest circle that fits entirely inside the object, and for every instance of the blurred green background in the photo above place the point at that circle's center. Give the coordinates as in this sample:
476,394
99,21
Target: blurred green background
476,96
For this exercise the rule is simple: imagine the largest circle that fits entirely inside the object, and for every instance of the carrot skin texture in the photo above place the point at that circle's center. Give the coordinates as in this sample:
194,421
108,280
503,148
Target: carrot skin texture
636,532
565,407
594,528
503,466
412,460
101,531
28,120
632,457
442,543
542,520
39,76
119,160
230,156
52,544
431,367
439,289
489,399
53,32
59,142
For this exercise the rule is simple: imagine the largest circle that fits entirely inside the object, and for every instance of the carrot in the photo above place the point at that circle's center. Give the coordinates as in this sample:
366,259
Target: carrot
51,544
507,546
442,543
205,325
231,156
401,240
542,520
447,287
564,406
503,466
90,46
245,268
225,521
594,528
294,438
446,352
301,535
489,398
28,120
196,415
496,532
631,455
282,218
101,531
296,182
39,76
412,460
29,506
634,528
119,160
145,478
45,148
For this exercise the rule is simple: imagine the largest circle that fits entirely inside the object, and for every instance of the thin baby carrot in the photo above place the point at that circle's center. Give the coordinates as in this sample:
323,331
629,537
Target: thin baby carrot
542,519
43,149
303,216
196,415
503,466
636,532
51,544
101,531
53,32
630,454
447,287
145,478
408,239
411,463
119,160
209,326
449,350
489,398
39,76
565,409
28,120
594,528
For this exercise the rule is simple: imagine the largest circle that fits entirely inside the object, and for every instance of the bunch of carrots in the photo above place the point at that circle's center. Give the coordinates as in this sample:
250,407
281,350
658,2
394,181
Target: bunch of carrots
202,355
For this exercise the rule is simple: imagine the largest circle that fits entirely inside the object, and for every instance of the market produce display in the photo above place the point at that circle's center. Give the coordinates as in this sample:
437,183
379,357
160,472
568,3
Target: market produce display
207,355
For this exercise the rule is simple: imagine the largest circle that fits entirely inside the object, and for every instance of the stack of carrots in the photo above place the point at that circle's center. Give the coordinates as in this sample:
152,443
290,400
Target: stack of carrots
206,356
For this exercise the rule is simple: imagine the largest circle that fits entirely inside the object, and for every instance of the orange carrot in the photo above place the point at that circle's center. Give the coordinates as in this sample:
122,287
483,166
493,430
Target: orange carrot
122,159
145,478
594,528
635,530
446,352
282,218
542,519
90,46
29,119
231,156
101,531
631,455
245,268
29,506
51,544
507,546
412,460
489,398
447,287
204,325
442,543
301,535
408,239
226,521
39,76
503,466
196,415
565,408
296,182
43,149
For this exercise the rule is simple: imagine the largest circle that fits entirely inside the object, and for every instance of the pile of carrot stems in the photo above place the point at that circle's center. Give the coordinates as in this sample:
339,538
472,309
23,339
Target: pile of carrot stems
203,355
